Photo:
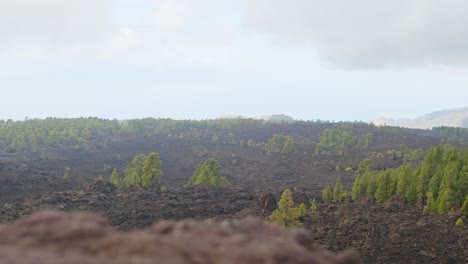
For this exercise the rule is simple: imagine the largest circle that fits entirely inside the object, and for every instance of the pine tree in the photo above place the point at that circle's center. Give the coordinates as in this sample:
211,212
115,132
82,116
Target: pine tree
208,174
356,191
464,209
66,175
462,184
338,191
445,201
428,169
288,145
404,180
313,206
151,170
287,214
431,205
384,191
115,179
327,195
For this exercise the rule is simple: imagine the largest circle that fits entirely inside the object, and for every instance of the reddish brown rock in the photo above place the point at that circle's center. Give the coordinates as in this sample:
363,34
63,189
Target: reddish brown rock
55,237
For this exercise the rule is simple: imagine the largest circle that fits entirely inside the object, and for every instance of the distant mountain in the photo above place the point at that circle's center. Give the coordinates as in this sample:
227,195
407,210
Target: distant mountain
268,118
451,118
277,118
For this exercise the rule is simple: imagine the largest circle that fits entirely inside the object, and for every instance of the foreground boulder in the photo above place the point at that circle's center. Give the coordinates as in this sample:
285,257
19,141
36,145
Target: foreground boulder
56,237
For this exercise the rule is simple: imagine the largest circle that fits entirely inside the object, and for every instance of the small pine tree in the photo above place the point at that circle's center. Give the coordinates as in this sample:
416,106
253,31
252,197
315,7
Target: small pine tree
287,215
208,174
338,191
384,191
464,209
66,176
459,222
313,206
151,170
115,179
444,202
327,195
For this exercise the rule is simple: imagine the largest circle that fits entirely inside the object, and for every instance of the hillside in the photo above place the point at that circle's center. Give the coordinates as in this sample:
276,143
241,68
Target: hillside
449,118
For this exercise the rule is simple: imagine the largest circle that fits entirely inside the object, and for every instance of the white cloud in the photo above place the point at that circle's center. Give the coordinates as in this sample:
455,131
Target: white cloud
368,33
173,14
57,19
72,28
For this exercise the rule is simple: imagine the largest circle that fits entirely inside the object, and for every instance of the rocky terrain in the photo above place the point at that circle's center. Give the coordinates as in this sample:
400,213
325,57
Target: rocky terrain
54,237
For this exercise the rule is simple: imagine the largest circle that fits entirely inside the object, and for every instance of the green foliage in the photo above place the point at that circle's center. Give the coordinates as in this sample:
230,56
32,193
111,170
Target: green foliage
215,138
349,169
327,195
346,221
208,174
440,183
313,206
464,209
365,141
384,188
364,166
459,222
115,179
163,189
281,143
287,215
151,171
251,143
7,205
143,171
334,141
339,194
66,175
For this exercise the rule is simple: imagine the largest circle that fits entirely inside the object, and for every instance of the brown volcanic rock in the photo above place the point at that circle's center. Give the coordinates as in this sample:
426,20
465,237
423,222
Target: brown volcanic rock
55,237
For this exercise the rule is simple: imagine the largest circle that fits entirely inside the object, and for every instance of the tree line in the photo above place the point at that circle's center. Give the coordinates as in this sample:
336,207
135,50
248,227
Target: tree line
440,183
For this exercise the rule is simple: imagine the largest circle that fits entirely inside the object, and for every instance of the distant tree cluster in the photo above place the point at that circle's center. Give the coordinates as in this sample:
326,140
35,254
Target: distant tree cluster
36,134
281,143
407,154
440,182
338,141
144,171
208,174
335,195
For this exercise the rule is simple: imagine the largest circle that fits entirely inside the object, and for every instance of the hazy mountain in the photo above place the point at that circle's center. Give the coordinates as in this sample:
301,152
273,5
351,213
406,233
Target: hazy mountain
268,118
452,118
277,118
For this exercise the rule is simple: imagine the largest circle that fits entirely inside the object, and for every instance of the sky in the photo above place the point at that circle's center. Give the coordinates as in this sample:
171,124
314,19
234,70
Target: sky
200,59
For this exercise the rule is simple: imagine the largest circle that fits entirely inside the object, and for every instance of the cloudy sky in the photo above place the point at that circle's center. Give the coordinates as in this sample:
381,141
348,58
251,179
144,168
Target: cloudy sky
198,59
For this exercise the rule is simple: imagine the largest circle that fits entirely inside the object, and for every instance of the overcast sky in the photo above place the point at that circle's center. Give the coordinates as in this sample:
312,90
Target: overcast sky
198,59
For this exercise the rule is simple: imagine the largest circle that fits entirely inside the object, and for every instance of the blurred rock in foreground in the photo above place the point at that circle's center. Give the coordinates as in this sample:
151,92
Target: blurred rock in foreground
56,237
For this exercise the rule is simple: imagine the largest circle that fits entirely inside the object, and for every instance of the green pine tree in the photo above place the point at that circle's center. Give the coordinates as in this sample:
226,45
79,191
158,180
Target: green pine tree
384,190
151,170
313,206
338,191
287,215
208,174
327,195
115,179
464,209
